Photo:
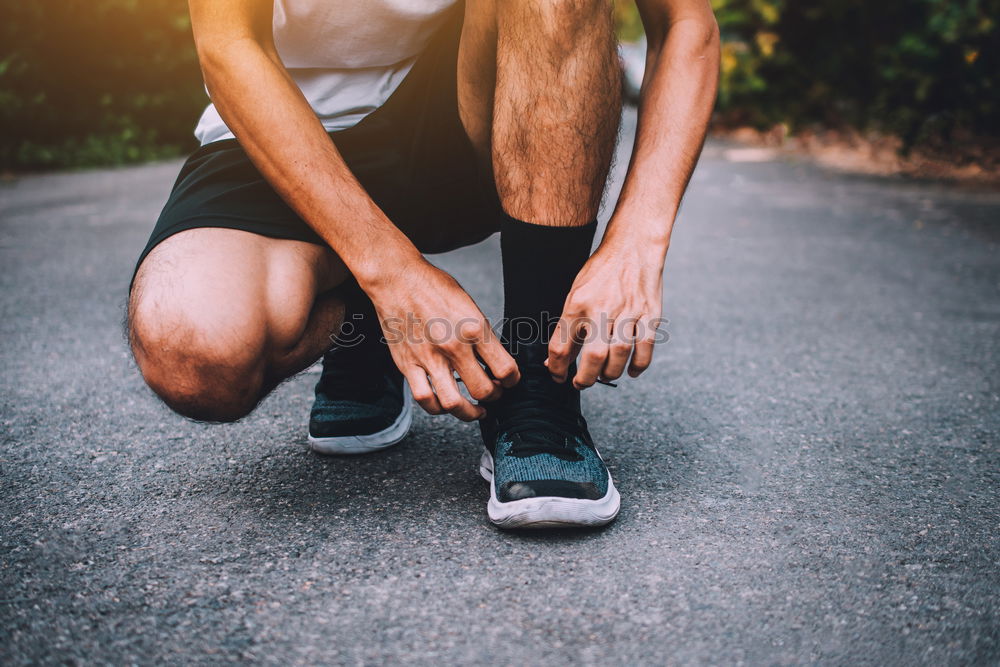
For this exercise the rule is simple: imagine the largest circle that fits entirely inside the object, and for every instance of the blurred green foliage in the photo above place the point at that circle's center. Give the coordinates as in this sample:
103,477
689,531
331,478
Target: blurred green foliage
919,69
114,81
87,82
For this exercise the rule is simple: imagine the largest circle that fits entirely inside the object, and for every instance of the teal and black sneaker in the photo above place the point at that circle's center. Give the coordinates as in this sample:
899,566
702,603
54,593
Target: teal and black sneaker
363,403
540,460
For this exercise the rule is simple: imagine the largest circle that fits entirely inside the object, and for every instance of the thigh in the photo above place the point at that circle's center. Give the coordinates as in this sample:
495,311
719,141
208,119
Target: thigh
228,290
219,187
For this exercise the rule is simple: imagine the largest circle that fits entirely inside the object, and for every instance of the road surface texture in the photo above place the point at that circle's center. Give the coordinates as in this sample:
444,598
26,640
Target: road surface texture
809,470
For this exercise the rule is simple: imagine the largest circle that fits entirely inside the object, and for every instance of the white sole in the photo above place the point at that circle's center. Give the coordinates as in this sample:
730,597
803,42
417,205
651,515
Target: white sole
548,511
372,442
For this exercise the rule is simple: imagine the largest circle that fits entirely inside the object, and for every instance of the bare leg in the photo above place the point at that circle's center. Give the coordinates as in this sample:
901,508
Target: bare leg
477,75
219,317
554,111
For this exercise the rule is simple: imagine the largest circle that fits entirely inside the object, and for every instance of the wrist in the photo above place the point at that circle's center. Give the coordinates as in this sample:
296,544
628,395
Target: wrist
381,270
648,242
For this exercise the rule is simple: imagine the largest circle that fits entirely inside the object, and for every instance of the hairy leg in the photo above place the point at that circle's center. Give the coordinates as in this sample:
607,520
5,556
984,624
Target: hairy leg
556,109
540,93
219,317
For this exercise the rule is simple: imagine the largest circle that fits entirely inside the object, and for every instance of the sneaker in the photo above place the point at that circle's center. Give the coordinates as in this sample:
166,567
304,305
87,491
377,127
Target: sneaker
363,403
540,460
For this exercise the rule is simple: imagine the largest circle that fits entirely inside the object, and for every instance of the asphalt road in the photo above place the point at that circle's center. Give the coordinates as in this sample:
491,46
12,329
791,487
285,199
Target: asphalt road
809,471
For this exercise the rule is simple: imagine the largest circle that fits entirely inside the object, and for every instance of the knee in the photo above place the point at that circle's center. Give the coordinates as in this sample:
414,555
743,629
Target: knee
200,371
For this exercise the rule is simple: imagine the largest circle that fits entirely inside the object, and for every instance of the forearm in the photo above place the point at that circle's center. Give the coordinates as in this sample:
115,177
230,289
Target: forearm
677,97
283,137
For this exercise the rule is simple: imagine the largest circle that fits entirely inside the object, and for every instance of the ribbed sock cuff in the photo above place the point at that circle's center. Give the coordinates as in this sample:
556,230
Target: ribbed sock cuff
539,266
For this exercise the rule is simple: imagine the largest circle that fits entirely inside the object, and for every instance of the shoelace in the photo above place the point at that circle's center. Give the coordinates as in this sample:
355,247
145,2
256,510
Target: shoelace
538,422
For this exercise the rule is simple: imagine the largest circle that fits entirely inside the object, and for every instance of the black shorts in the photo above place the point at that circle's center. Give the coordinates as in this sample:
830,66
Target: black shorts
411,155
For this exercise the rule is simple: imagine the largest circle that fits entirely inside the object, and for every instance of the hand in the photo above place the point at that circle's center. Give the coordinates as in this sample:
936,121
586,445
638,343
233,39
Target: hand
435,329
611,314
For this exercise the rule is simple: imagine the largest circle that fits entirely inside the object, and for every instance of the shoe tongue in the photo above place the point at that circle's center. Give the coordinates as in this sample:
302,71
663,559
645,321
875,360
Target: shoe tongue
537,389
537,382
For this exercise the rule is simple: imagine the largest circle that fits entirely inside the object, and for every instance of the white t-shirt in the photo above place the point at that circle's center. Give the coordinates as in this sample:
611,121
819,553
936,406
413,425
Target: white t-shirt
347,56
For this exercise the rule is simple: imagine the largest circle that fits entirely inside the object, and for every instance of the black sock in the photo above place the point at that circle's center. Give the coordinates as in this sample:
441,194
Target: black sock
360,326
539,266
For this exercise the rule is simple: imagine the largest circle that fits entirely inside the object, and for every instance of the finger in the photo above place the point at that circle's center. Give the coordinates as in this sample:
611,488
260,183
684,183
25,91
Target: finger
451,398
501,364
563,347
642,356
475,379
422,392
593,357
621,346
